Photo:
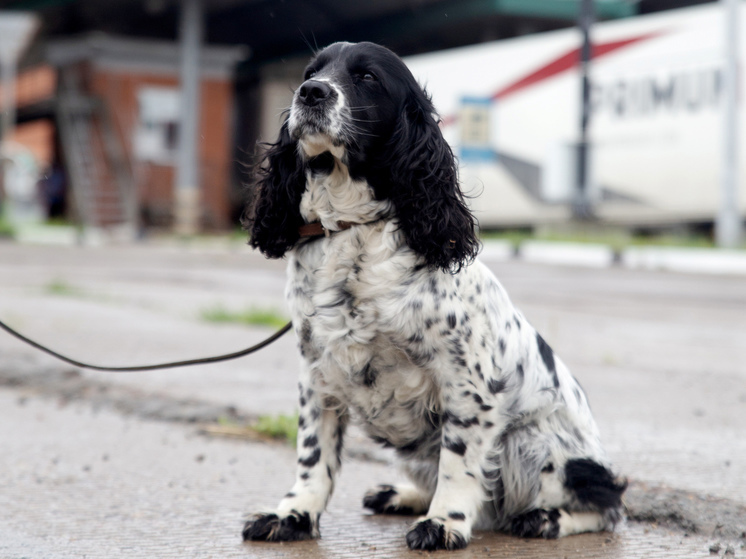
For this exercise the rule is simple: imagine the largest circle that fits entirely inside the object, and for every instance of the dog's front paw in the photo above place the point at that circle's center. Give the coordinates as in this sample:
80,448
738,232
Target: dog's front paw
434,533
273,528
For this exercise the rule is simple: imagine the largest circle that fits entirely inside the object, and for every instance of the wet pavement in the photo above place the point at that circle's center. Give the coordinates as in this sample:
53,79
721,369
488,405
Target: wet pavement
95,484
97,465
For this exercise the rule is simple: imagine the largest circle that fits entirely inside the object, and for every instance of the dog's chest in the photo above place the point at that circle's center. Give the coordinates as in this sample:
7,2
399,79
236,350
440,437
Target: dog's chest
345,306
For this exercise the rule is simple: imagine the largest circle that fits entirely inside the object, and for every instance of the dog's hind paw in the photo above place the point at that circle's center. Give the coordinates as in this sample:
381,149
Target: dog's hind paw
431,534
385,499
396,499
538,523
270,527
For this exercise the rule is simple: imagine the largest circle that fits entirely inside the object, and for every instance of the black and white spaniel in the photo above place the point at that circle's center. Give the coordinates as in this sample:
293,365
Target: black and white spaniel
402,330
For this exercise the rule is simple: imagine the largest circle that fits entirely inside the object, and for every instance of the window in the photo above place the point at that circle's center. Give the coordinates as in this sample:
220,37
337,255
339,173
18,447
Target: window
157,132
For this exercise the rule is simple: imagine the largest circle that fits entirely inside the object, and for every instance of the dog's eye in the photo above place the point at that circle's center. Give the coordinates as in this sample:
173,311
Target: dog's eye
309,74
363,76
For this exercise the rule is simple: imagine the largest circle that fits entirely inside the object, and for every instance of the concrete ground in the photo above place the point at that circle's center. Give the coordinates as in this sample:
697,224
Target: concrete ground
104,465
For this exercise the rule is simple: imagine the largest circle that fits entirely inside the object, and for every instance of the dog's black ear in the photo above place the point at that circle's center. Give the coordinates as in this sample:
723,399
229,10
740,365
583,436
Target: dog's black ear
423,186
273,216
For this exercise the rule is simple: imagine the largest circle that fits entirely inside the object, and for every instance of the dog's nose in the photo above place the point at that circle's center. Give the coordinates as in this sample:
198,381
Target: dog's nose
313,92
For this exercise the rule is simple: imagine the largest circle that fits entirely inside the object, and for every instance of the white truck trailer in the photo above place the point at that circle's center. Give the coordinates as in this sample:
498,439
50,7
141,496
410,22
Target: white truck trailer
511,109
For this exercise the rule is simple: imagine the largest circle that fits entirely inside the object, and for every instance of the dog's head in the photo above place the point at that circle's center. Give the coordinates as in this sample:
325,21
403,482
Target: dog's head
351,99
361,106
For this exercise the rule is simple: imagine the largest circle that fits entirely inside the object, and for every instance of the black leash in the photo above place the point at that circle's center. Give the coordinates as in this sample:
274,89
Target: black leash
215,359
311,230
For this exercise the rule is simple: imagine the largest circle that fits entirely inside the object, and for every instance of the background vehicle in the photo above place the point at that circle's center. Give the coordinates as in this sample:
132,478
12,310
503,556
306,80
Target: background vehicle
511,111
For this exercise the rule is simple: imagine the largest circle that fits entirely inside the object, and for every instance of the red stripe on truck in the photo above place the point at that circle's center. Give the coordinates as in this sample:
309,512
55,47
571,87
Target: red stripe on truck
563,63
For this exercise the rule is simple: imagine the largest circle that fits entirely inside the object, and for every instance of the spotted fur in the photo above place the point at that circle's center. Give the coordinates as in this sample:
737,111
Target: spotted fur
401,330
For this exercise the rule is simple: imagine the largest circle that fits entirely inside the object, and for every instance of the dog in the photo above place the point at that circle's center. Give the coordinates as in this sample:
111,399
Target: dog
401,328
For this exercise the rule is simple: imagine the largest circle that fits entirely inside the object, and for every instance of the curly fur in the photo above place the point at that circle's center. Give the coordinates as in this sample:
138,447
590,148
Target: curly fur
402,330
275,212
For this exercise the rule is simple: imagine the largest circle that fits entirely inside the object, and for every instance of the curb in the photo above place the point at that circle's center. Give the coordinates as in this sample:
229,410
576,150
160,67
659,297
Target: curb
688,260
590,255
653,258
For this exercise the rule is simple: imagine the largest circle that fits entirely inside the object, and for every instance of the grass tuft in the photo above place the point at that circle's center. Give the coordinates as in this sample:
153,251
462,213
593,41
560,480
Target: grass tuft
61,287
6,228
252,317
279,426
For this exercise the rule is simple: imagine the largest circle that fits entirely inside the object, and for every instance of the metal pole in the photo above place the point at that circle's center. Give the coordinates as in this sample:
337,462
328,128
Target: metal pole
187,172
728,224
7,119
582,205
8,73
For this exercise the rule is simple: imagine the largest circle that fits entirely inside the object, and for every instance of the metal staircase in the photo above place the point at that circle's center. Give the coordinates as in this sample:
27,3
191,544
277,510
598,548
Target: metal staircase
101,181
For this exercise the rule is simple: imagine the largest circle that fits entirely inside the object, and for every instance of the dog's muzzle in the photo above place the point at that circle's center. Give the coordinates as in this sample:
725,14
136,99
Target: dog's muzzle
313,110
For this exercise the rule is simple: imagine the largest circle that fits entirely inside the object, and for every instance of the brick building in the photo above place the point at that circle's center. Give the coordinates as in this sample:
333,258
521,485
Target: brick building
116,117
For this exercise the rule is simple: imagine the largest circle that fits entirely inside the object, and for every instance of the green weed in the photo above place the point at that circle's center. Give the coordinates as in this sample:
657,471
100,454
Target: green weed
279,426
6,228
252,316
62,288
